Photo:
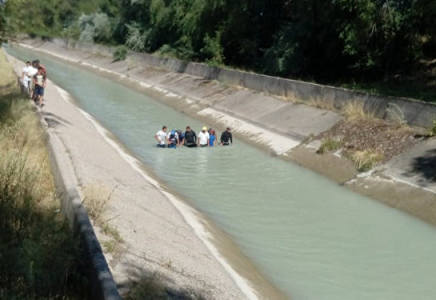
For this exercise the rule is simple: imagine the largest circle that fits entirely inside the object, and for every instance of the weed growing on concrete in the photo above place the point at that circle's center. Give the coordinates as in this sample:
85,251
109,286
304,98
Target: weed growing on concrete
110,246
329,145
354,110
367,159
431,131
119,53
112,232
96,200
321,103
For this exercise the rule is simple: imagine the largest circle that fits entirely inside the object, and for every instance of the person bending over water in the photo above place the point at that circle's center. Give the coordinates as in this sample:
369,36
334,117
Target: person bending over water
203,138
226,138
161,136
190,138
181,135
173,139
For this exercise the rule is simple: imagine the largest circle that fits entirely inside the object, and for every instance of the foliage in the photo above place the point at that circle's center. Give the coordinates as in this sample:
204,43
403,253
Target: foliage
213,50
324,41
431,131
329,145
119,53
40,258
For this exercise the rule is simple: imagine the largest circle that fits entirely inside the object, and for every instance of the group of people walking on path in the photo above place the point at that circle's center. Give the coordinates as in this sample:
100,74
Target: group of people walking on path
34,80
206,138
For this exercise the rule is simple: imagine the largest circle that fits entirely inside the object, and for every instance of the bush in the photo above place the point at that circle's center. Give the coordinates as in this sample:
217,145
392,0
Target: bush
119,53
366,160
431,131
329,145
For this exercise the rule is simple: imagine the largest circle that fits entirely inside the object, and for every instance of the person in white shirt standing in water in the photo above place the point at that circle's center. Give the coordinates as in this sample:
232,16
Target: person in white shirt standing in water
161,136
203,138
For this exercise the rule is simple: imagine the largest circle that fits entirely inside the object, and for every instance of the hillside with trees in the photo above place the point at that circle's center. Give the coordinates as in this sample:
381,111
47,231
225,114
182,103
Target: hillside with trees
385,46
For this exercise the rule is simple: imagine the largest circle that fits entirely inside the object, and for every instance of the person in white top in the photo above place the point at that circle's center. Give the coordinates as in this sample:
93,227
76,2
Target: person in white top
161,136
203,138
26,77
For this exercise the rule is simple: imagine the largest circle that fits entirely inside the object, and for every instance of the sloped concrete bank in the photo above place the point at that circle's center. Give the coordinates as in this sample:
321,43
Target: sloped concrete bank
413,112
267,121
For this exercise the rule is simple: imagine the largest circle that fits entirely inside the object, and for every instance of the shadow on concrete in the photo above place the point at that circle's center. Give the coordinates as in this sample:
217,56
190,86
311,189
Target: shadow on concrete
53,120
424,166
153,285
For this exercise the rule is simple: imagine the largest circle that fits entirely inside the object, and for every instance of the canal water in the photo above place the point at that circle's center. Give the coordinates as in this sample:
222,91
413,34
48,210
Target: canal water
312,238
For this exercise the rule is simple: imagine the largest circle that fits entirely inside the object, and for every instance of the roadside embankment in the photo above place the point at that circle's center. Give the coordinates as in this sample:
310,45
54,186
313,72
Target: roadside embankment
40,258
148,233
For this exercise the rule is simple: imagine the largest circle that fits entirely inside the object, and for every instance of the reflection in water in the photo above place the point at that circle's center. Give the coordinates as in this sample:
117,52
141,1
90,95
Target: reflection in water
312,238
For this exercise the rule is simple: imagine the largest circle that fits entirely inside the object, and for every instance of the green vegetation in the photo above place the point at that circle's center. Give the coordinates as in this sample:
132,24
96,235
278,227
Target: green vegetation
329,145
431,131
39,256
383,46
119,53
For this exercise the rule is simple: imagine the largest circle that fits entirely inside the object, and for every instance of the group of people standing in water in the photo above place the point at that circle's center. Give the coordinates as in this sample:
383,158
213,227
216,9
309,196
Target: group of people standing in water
206,138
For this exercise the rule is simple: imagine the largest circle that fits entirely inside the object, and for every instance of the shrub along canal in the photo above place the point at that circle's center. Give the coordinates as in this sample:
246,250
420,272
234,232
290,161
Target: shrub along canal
311,237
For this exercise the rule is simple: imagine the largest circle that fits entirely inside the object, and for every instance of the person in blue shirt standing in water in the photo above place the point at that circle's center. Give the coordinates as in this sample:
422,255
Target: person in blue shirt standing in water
212,137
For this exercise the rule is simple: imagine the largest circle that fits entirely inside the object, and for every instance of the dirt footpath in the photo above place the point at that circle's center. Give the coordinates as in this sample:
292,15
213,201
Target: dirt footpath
142,231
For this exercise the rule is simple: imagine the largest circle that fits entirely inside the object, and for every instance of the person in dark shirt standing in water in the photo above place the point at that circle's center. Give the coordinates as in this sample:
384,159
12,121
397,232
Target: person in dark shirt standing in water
190,138
226,138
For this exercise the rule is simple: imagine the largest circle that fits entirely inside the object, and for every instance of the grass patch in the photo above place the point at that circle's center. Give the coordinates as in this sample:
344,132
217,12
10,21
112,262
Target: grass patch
329,145
110,246
39,256
366,160
354,110
320,103
119,53
431,131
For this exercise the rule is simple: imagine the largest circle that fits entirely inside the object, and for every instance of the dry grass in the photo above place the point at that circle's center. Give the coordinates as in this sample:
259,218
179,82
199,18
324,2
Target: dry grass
8,79
367,159
96,201
321,103
39,257
354,110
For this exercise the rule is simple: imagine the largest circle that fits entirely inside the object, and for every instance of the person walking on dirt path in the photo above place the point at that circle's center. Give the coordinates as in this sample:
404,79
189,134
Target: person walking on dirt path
190,138
39,82
161,137
203,138
226,138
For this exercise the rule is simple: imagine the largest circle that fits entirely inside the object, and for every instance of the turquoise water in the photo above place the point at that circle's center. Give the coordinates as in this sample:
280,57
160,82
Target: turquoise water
314,239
